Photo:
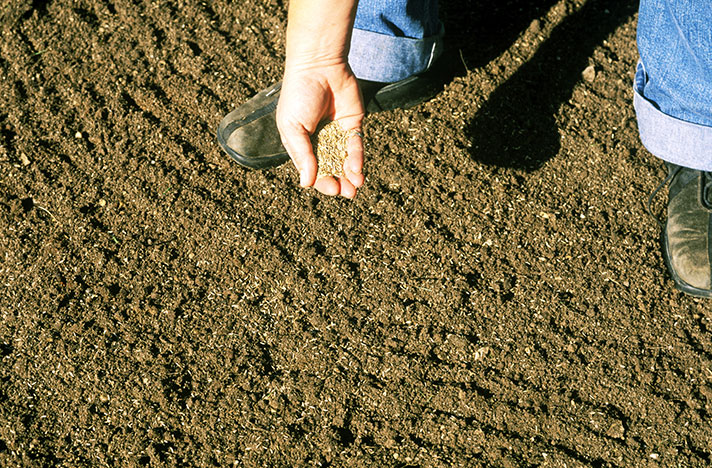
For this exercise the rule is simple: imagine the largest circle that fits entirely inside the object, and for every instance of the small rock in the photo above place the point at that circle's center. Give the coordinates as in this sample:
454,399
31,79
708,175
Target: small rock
481,353
102,203
78,135
24,159
616,430
589,73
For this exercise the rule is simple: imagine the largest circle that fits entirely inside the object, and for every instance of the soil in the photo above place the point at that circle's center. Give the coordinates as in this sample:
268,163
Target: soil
494,296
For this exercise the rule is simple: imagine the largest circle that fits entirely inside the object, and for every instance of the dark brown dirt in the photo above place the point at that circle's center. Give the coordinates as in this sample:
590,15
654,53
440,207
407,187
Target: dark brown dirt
495,295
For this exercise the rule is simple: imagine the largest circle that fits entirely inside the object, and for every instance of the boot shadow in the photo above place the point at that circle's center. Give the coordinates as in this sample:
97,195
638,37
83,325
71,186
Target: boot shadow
516,127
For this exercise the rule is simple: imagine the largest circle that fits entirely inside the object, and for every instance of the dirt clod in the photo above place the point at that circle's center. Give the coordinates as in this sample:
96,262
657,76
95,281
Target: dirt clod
616,430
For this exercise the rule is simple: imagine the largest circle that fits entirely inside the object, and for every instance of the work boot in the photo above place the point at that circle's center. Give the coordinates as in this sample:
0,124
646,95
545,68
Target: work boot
687,240
250,136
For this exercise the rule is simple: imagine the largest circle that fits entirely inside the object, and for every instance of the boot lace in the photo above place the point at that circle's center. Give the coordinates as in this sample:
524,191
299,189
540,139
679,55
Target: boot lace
705,192
660,186
706,195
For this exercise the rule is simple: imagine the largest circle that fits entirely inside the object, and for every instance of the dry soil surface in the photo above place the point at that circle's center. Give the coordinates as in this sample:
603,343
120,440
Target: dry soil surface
494,297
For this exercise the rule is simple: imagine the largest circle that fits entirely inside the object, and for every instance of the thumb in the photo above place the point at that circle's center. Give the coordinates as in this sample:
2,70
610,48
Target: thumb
296,141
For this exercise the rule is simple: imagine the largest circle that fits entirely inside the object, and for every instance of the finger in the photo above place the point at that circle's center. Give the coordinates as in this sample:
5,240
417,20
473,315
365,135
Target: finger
347,188
353,166
327,186
357,180
298,145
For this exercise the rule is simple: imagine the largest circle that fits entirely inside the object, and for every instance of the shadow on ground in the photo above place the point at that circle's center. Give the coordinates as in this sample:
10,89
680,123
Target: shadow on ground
484,30
516,127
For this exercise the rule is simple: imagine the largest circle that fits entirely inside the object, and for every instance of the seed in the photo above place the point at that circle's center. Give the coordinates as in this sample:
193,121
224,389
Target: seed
330,143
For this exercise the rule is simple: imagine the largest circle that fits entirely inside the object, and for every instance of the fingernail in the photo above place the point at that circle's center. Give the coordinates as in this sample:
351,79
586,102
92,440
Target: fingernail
303,179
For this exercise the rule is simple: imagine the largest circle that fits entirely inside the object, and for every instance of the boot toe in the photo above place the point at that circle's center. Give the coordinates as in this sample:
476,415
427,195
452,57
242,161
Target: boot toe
687,242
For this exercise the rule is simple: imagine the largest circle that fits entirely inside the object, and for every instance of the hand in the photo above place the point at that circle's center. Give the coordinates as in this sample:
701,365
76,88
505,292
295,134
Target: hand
313,93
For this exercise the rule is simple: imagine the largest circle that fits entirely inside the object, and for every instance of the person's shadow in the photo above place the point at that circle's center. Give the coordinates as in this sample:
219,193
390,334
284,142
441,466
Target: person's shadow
516,126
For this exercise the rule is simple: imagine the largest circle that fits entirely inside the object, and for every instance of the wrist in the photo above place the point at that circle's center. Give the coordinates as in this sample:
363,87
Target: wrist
315,64
319,32
313,59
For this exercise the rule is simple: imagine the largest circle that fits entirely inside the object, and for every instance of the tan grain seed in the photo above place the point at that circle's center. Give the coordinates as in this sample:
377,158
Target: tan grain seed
330,143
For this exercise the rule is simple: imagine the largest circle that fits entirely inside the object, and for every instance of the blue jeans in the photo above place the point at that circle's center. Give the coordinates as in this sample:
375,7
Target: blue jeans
673,82
394,39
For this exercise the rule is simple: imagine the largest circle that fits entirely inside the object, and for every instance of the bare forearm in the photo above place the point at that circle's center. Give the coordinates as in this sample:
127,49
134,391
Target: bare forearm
319,31
318,85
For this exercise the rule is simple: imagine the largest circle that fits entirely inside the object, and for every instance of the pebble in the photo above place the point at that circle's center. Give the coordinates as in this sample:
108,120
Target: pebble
616,430
481,353
102,203
24,159
589,73
78,135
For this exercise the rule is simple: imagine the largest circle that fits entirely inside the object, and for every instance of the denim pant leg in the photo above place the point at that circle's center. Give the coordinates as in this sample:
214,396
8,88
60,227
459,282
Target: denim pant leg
673,82
394,39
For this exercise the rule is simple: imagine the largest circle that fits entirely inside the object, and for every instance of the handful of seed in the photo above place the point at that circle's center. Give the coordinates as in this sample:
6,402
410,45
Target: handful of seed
330,143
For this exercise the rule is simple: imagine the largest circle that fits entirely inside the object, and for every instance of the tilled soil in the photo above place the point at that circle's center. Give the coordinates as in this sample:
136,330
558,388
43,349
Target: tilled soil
494,296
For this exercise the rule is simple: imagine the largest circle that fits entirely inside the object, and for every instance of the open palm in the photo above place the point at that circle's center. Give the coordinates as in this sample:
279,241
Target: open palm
310,95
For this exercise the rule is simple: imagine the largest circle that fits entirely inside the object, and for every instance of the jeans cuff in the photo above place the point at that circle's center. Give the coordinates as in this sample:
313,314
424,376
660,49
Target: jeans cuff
379,57
670,139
